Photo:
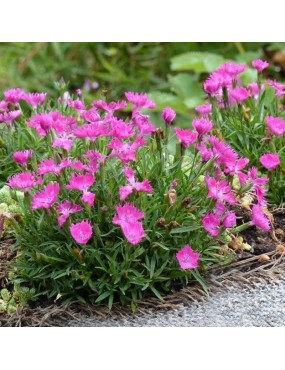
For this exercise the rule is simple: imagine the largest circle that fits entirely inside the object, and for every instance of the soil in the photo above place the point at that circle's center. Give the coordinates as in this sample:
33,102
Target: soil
6,255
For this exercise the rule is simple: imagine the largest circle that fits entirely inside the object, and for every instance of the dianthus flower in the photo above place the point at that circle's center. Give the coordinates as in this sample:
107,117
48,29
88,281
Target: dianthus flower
125,191
259,65
81,232
21,157
187,258
66,208
80,182
34,99
47,197
13,95
204,110
259,219
140,100
276,125
186,137
168,115
239,94
202,125
24,181
270,161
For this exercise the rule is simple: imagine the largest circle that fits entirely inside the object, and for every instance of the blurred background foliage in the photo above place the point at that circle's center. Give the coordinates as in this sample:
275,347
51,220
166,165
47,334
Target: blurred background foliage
171,73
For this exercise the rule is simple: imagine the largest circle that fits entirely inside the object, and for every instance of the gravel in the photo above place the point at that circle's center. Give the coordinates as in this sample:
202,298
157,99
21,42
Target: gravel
259,306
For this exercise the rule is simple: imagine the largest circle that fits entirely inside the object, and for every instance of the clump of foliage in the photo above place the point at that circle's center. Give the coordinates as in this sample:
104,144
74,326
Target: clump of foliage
250,117
111,212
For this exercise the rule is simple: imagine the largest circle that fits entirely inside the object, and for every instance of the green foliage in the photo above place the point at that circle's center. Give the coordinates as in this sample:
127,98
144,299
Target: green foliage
20,297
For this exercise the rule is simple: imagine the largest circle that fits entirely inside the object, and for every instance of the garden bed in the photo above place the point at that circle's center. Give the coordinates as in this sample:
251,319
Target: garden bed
248,269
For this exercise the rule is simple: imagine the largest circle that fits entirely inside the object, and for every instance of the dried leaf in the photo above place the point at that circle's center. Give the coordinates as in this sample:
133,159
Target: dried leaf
263,258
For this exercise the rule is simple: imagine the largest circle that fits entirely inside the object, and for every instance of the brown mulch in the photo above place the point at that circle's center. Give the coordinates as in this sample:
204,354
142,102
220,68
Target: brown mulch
248,270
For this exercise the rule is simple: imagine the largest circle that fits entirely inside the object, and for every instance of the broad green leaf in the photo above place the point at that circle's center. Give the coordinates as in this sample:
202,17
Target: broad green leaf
196,62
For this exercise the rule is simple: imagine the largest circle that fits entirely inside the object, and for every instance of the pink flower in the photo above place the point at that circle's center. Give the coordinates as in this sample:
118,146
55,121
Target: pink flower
278,87
140,100
202,125
212,86
4,106
63,143
220,190
259,219
90,115
168,115
48,166
253,88
23,181
232,69
204,110
235,167
22,157
186,137
125,151
66,208
120,129
239,94
127,213
34,99
143,186
142,122
78,105
91,131
43,122
133,232
259,65
229,220
270,161
8,117
14,95
47,197
80,182
211,224
276,125
88,198
81,232
187,258
111,107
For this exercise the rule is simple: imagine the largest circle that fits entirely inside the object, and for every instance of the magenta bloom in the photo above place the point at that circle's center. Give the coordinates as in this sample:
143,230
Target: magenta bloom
22,157
133,232
80,182
13,95
9,117
276,125
66,208
239,94
127,213
88,198
278,87
270,161
204,110
229,220
142,122
47,197
220,190
259,65
259,218
187,258
232,69
120,129
63,143
90,115
234,167
140,100
91,131
24,181
43,122
202,125
34,99
48,166
81,232
212,86
211,224
186,137
168,115
125,151
143,186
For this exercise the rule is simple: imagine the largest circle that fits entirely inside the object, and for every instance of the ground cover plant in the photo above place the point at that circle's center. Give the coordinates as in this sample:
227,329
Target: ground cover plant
111,208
